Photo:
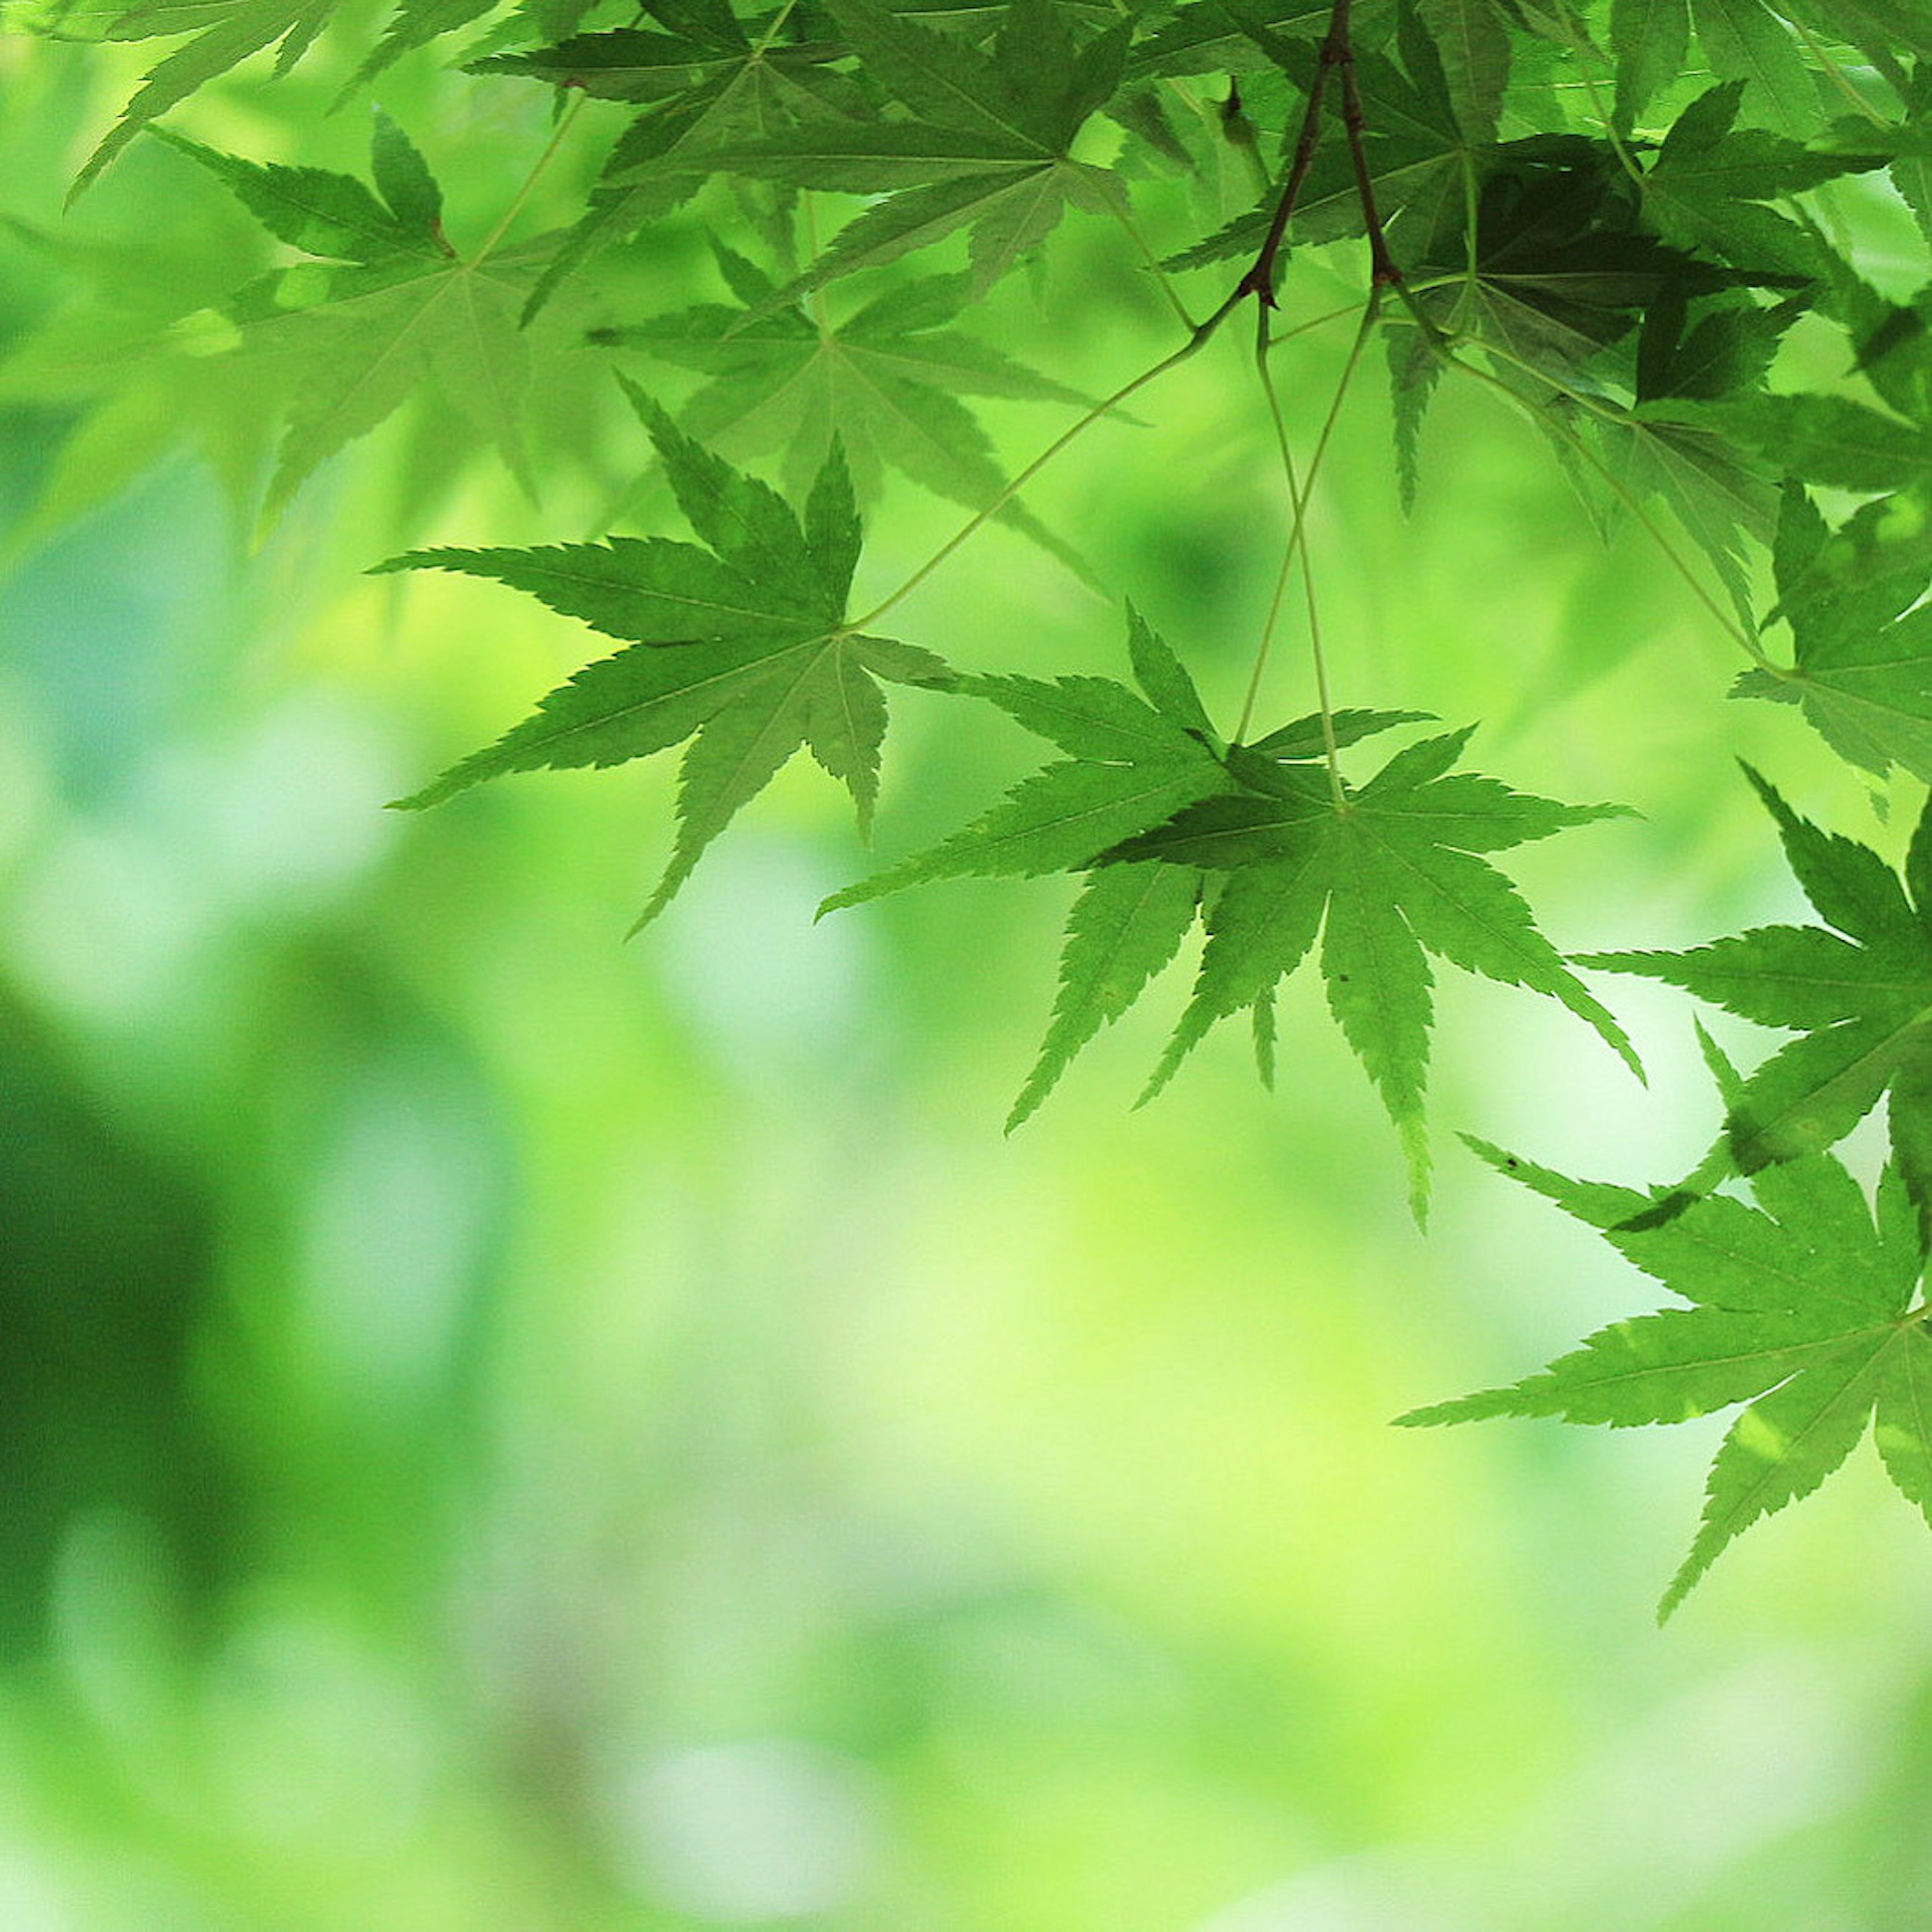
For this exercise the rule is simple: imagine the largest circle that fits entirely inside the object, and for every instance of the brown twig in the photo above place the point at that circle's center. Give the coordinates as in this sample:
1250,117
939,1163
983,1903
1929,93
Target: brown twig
1259,280
1383,272
1336,51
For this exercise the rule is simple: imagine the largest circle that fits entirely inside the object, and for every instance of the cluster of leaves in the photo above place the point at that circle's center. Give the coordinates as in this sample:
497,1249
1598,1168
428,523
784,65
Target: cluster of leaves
1169,821
1617,216
1804,1308
1800,1303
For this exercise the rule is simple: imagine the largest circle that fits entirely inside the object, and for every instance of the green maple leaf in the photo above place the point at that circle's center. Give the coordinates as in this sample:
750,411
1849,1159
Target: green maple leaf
1414,148
1747,44
1671,447
740,647
1726,350
1858,989
1131,765
1472,39
1562,269
1861,655
1883,30
225,32
625,63
1649,38
1228,36
386,306
415,23
989,151
1260,844
1391,875
1831,440
1711,184
1561,266
889,376
1801,1307
708,89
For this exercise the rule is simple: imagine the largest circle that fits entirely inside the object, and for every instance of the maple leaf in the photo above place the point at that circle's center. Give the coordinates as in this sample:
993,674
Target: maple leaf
1263,846
1561,269
1747,44
387,305
1858,988
740,646
1131,765
225,32
1561,266
706,87
1669,448
1473,42
1801,1307
889,377
415,23
1650,39
1881,30
1709,187
989,150
1229,36
1387,876
1414,148
1861,654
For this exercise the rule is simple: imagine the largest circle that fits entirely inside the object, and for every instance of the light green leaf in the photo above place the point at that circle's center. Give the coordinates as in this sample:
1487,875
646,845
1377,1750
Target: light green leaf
1394,871
1784,1446
402,176
234,30
1865,1000
1127,923
1802,1313
1744,41
314,209
889,377
1649,38
416,23
741,648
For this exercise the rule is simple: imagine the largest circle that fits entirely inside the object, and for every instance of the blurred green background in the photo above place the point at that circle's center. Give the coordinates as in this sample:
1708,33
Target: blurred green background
502,1428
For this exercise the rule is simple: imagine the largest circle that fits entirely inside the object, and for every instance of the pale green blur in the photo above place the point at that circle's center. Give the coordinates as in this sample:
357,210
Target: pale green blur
508,1430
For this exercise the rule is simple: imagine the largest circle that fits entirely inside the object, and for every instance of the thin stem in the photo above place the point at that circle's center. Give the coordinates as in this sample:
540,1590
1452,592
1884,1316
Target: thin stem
1299,496
1313,322
1160,274
1260,279
1836,74
1291,548
1383,272
1472,222
1629,500
1298,500
980,518
564,121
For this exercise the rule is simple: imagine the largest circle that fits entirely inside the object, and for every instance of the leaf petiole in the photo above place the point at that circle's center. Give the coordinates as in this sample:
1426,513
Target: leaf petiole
1194,343
1617,487
565,122
1298,496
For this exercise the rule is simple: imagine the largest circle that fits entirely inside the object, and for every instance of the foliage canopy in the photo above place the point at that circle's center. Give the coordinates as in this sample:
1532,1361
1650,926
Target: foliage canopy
1636,222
